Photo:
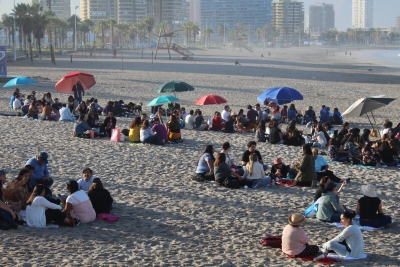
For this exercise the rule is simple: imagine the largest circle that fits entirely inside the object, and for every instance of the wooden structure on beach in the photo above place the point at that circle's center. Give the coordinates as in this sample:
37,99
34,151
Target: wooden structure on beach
168,45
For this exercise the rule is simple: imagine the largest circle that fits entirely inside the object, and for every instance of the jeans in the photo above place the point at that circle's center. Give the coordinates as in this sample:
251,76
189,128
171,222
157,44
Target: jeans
264,182
335,217
377,222
7,217
154,139
265,167
393,163
335,246
342,158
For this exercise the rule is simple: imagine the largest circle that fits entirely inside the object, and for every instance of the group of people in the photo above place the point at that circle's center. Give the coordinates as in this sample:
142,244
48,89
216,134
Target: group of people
31,191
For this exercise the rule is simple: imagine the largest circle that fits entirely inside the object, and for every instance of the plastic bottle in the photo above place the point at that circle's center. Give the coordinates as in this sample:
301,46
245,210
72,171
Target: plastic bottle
273,182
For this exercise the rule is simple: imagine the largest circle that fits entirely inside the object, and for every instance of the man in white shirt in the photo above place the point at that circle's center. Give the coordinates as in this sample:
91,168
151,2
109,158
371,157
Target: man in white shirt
17,104
189,120
65,114
184,113
87,180
225,113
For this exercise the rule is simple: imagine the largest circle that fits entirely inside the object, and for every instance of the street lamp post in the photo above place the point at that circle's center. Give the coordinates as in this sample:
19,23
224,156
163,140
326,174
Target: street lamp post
15,49
205,35
75,30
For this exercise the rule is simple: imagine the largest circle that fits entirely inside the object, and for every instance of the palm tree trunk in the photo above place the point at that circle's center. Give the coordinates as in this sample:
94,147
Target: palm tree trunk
20,37
30,48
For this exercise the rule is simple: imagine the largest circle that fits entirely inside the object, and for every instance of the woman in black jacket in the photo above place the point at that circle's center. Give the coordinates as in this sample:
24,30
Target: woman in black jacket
100,197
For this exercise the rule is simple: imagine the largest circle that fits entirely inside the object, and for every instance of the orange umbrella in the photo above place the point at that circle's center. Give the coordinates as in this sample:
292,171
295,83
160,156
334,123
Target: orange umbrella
210,100
68,81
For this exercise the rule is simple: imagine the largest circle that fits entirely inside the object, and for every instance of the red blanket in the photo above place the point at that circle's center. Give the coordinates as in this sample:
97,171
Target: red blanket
288,183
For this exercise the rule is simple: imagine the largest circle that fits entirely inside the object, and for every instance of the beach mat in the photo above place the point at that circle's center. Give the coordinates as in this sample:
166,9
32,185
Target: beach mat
356,221
323,261
286,183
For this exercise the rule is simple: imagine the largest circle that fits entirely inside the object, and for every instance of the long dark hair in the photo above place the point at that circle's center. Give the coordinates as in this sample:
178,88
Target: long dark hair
365,136
145,125
321,129
349,214
307,149
73,186
221,157
37,191
209,149
135,122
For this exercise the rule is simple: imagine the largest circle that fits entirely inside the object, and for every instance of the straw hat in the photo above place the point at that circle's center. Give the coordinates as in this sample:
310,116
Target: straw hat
296,219
368,190
233,114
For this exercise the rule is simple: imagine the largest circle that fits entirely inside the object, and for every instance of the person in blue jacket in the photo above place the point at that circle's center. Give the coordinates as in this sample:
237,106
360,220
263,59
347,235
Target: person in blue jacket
324,114
81,127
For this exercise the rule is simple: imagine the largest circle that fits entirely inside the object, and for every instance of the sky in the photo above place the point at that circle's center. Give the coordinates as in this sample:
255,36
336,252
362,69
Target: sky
385,11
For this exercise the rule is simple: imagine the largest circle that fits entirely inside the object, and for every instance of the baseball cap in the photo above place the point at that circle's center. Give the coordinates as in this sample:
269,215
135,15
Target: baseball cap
43,156
2,172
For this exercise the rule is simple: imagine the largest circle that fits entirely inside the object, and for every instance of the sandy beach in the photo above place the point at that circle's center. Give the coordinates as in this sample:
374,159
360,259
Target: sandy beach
166,219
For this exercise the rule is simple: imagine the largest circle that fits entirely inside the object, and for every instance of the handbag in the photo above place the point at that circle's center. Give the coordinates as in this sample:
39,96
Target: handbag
231,182
115,135
91,134
272,241
311,211
107,217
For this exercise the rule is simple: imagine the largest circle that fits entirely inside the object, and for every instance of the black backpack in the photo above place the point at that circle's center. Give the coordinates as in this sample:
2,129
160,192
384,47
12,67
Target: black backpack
231,182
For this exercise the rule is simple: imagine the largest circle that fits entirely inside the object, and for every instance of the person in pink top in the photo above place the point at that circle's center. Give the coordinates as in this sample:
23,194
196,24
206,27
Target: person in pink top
78,204
295,240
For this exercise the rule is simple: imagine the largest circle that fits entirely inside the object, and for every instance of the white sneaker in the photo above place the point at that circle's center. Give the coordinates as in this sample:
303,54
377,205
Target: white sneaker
384,166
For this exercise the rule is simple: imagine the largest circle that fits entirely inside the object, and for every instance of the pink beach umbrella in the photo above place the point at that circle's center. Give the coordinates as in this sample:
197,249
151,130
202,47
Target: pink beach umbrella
68,81
210,100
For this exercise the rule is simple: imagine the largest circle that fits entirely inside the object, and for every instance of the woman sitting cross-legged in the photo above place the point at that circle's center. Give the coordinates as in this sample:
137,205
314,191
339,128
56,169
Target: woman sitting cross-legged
174,129
147,136
134,131
295,240
305,168
329,209
335,151
40,211
322,187
82,127
293,137
21,195
254,173
100,197
350,242
78,204
205,164
370,157
279,170
260,132
369,207
222,170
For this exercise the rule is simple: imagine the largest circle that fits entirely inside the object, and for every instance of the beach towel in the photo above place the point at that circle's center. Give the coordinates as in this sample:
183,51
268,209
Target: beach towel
287,183
336,256
356,221
323,261
8,115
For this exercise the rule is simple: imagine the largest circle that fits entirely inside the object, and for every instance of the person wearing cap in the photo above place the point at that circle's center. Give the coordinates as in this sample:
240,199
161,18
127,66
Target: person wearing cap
41,173
305,168
252,116
324,114
369,207
279,169
100,197
350,242
329,209
295,240
78,91
85,182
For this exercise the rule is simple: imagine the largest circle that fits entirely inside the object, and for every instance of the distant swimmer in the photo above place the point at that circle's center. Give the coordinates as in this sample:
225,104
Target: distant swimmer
262,55
369,69
269,53
237,62
350,53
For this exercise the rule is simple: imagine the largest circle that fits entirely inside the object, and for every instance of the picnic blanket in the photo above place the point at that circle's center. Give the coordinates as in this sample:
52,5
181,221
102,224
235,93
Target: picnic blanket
356,221
287,183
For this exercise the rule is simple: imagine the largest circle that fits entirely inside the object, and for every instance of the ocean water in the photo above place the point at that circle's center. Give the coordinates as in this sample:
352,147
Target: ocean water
390,57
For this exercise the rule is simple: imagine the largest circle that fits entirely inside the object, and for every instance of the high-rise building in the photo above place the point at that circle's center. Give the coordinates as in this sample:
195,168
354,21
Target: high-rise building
288,19
212,14
172,12
362,13
321,18
62,8
397,25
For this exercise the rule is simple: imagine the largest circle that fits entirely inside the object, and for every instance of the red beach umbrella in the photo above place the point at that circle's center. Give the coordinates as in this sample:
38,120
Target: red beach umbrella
210,100
68,81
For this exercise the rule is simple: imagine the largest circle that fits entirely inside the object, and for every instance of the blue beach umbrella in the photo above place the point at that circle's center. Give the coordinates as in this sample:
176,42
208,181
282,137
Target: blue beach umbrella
280,95
20,80
164,99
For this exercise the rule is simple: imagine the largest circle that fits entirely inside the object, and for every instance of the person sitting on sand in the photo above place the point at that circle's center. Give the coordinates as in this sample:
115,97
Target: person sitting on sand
254,173
284,113
336,119
226,147
160,130
20,182
279,169
321,168
324,114
17,104
334,151
369,207
241,122
40,211
252,116
275,134
260,132
189,120
85,182
8,218
81,109
292,112
81,127
65,114
199,123
295,240
329,129
309,115
344,131
12,191
173,129
350,242
109,123
364,138
387,152
41,173
320,137
134,131
107,108
329,209
322,186
352,148
276,114
251,148
47,112
293,137
147,136
100,197
370,157
305,168
33,111
311,126
205,164
47,98
217,123
222,170
78,204
56,105
225,113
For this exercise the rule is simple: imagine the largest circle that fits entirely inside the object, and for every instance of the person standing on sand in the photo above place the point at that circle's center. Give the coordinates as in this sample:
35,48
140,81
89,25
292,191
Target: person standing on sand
78,91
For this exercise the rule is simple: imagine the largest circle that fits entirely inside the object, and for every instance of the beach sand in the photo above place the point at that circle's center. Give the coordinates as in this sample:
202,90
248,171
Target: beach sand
166,219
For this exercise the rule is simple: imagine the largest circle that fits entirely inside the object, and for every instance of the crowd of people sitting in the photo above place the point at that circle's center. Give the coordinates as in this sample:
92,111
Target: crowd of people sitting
30,191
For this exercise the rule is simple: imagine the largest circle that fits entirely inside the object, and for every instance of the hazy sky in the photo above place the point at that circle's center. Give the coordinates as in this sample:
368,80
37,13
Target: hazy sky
385,11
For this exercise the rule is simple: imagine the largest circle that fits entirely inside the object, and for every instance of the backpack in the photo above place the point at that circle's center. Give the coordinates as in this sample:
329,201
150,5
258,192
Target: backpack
272,241
231,182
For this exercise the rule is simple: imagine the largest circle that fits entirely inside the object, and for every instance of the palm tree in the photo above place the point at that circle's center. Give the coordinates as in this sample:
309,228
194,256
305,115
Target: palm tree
85,26
52,20
186,31
111,24
20,11
27,27
100,29
71,25
132,32
195,30
149,23
207,33
8,23
63,26
39,23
